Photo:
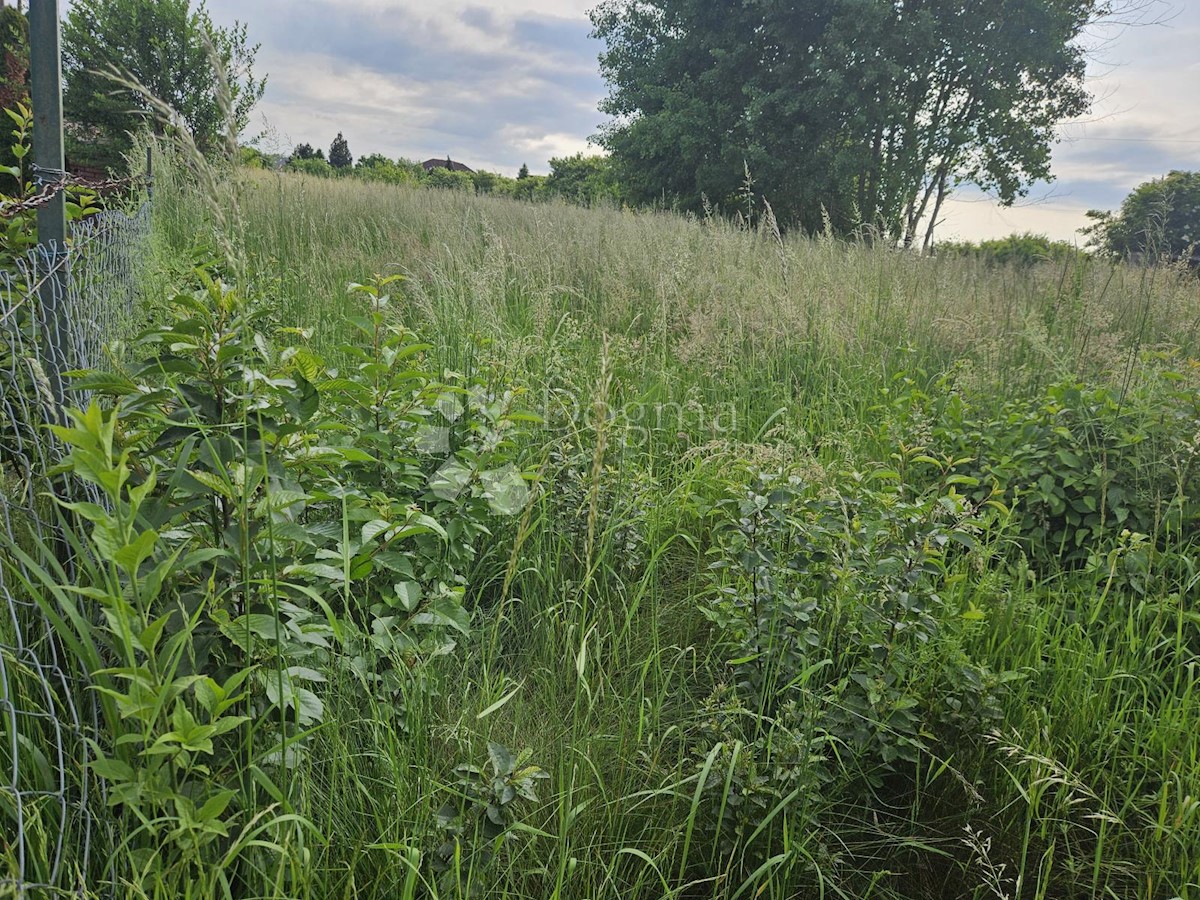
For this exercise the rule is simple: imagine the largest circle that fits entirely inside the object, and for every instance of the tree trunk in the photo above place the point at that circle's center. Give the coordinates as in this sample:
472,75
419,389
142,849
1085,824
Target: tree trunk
933,217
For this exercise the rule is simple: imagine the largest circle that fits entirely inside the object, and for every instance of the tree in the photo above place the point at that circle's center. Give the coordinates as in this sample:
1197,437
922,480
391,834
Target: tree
14,69
583,179
1159,218
339,153
855,112
523,173
169,48
446,178
14,57
377,167
304,151
313,165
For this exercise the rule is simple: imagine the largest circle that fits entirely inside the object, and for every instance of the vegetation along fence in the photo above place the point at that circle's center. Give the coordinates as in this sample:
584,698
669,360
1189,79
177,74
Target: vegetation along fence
60,309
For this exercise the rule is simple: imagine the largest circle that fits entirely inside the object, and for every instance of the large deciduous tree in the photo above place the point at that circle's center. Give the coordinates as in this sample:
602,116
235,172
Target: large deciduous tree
168,47
855,112
1160,218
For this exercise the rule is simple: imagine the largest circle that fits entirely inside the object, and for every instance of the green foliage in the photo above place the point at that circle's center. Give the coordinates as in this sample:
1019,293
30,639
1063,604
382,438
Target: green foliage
950,95
339,153
173,733
253,158
1081,467
1159,218
583,180
576,179
864,675
845,654
454,181
266,524
376,167
18,235
14,66
313,165
531,187
165,47
1017,250
479,819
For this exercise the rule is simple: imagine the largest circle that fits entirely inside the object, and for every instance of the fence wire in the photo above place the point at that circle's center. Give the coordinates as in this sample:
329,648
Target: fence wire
46,713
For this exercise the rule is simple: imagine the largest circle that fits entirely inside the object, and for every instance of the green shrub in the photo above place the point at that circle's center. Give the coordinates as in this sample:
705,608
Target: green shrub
845,653
1079,465
265,523
455,181
1021,250
312,166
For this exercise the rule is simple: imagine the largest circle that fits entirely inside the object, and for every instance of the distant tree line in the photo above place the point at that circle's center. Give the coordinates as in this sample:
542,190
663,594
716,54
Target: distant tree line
581,179
1020,250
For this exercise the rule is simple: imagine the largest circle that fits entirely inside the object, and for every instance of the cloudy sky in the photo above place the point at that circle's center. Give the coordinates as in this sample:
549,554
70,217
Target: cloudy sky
505,82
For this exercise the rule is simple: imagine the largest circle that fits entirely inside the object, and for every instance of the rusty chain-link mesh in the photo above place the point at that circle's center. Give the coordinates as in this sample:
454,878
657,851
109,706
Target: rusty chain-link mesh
46,713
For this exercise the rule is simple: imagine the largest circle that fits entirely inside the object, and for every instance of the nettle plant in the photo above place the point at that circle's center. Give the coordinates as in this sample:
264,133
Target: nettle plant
263,520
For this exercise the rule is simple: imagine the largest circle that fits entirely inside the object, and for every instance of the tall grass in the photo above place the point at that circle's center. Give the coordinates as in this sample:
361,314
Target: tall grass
670,358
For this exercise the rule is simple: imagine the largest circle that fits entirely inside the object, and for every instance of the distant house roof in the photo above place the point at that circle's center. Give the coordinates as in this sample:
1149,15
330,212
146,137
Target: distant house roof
454,166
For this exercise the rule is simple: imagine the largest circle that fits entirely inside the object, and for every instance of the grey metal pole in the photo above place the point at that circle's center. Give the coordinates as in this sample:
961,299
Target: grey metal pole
45,70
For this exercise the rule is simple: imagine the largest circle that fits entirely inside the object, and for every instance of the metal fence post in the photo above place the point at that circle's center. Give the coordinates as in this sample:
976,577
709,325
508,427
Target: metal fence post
45,70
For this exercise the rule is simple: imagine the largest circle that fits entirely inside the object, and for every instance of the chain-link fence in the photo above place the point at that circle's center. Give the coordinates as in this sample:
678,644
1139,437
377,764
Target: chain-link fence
60,308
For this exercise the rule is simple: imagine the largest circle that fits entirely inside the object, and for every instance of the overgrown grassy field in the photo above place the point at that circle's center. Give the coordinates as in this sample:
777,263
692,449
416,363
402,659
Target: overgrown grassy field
840,572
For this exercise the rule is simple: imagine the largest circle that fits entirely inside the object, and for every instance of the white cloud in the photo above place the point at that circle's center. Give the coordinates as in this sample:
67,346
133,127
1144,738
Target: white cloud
1145,122
503,82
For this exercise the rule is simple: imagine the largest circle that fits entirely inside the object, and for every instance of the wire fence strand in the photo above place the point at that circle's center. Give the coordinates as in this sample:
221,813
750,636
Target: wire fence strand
47,824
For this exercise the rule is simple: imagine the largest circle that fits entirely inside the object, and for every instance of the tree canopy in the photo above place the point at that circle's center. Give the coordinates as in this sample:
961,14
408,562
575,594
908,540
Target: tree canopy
855,112
14,57
582,179
1159,218
306,151
339,153
165,46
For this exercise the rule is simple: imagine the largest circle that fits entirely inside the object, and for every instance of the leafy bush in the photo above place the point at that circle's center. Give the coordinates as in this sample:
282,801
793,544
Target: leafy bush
264,521
1078,465
311,166
376,167
1022,250
845,653
455,181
